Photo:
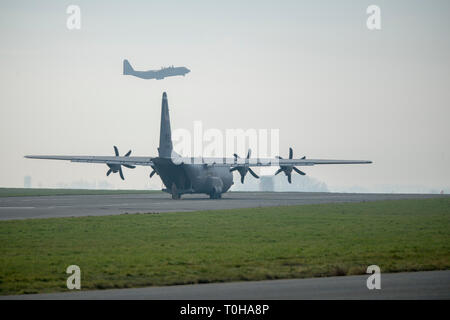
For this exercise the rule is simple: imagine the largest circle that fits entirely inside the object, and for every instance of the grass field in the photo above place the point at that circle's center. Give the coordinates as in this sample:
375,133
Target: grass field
21,192
229,245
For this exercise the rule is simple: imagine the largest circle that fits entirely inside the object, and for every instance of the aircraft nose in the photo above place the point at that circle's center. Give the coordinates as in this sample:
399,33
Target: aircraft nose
187,70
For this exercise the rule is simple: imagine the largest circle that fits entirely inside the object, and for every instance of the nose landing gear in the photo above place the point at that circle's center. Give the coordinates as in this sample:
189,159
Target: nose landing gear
215,194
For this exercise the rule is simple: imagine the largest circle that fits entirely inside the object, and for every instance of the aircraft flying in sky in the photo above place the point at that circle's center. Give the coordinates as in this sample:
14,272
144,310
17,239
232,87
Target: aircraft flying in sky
154,74
183,175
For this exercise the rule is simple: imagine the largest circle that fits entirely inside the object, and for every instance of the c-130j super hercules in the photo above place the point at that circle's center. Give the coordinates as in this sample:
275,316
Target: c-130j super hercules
182,175
154,74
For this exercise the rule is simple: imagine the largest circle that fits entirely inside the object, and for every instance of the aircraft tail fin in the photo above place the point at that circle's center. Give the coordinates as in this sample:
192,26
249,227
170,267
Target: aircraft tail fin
127,68
165,134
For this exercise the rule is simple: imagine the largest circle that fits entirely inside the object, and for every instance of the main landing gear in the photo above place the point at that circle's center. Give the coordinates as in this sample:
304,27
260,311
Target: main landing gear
215,195
175,194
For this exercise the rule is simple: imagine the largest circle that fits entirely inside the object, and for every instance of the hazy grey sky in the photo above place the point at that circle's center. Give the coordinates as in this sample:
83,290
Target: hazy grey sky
310,68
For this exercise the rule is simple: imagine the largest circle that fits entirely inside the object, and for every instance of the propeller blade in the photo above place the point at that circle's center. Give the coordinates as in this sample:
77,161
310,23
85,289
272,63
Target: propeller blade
278,171
253,173
289,178
304,157
249,153
109,172
127,154
121,173
291,153
235,156
242,178
152,173
278,157
116,151
129,166
233,169
298,171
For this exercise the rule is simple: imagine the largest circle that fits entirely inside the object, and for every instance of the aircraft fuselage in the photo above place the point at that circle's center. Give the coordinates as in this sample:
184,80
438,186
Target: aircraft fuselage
193,178
154,74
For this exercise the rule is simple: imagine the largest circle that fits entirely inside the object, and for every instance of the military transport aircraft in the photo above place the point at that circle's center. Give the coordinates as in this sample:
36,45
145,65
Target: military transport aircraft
154,74
182,175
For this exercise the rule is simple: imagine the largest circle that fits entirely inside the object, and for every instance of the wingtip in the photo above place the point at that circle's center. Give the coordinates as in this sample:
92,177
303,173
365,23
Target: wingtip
164,95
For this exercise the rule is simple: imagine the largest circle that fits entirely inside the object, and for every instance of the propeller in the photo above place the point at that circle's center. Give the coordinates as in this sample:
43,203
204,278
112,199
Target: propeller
244,168
113,167
153,172
287,169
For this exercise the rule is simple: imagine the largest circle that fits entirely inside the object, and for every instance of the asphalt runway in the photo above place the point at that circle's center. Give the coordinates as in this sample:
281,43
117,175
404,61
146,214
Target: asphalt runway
411,285
101,205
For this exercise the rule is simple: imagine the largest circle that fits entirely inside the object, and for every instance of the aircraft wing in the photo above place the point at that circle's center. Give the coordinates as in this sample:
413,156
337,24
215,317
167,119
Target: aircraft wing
260,162
231,162
312,162
136,161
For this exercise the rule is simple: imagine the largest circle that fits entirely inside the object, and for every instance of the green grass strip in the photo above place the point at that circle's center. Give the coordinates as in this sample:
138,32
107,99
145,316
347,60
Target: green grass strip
228,245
